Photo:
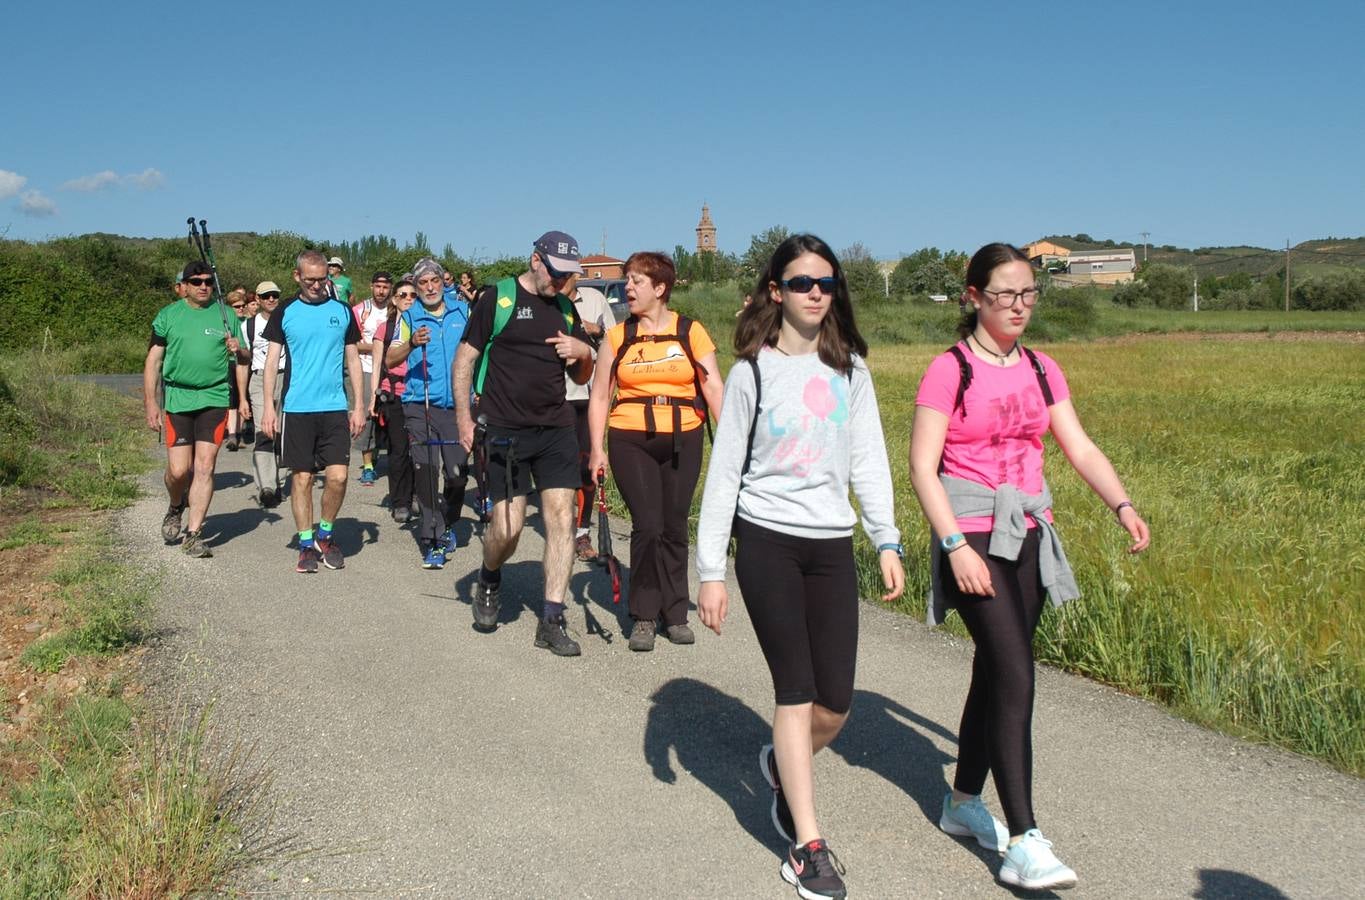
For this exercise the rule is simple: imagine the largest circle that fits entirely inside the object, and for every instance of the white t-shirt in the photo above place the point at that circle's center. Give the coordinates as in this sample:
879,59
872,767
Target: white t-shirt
369,316
593,309
259,345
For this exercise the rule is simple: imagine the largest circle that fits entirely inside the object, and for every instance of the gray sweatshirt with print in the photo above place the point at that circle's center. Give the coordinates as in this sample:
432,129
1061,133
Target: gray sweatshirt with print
818,432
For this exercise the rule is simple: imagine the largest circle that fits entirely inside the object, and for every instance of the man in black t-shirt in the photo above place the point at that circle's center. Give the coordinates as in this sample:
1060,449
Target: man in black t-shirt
530,426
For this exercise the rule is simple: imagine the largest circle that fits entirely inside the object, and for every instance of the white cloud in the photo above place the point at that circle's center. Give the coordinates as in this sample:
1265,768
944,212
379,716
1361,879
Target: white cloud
11,183
33,203
91,183
147,180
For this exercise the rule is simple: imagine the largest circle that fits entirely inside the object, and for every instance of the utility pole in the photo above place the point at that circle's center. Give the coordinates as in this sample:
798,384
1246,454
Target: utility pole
1145,235
1196,291
1286,274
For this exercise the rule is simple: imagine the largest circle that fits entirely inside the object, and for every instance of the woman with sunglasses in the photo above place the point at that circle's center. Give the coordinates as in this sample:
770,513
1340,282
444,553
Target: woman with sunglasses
655,381
236,299
387,403
800,426
976,463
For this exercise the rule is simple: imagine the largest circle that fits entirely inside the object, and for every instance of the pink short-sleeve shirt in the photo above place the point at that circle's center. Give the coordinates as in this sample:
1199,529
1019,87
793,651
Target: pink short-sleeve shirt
1000,439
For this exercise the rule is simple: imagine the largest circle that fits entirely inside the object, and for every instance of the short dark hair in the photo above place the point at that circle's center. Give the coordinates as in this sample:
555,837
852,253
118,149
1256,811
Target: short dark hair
655,266
195,269
979,269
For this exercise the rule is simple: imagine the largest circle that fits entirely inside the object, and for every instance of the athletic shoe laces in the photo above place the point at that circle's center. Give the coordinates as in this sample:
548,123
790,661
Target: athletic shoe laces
827,865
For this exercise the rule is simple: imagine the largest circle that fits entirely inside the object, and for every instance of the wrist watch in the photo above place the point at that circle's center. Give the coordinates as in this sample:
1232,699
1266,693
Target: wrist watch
899,548
952,542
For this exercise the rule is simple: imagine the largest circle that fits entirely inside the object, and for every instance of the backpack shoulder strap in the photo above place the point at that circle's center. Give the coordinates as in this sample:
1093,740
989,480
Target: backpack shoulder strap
502,314
251,332
1041,373
630,335
964,380
753,425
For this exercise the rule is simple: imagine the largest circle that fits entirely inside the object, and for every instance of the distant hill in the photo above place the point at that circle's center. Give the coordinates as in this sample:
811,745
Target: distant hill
1315,257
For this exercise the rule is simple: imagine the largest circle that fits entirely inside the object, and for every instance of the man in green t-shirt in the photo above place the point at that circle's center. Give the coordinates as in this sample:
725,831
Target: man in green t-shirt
336,271
192,356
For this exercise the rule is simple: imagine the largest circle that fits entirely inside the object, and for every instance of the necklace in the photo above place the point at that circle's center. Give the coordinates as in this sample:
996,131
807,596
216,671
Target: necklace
1003,357
780,350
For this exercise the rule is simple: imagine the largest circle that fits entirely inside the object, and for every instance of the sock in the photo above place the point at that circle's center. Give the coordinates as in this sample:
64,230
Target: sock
370,467
491,578
553,611
305,538
324,529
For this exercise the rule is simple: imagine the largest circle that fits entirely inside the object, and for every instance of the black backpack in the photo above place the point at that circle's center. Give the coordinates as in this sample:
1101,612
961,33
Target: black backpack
965,377
696,401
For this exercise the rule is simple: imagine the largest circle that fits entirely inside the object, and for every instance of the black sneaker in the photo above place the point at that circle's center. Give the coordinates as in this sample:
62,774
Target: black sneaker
270,499
486,606
330,553
194,546
554,636
308,560
781,812
814,870
170,524
401,515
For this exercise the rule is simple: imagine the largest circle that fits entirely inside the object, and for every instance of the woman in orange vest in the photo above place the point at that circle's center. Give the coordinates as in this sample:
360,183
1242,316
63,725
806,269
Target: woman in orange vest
660,368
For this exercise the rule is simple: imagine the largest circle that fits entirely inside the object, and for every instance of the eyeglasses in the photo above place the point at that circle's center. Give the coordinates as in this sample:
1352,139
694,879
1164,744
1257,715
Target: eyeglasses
239,306
406,295
272,295
550,270
1028,296
802,284
323,280
199,282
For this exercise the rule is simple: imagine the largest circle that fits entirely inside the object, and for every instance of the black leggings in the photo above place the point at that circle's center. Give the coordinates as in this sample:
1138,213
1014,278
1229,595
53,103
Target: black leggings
400,461
585,492
659,497
802,597
996,734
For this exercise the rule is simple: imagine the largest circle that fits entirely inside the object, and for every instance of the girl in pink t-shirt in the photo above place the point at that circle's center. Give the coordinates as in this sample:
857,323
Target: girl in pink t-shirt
976,451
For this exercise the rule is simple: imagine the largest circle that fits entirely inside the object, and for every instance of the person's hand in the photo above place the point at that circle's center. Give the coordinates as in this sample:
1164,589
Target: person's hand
234,346
358,418
893,574
597,463
465,424
154,417
712,604
567,347
970,572
592,329
244,409
421,336
1135,526
269,423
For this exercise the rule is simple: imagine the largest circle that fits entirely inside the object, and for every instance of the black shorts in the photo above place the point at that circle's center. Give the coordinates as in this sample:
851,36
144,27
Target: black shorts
200,426
549,456
802,598
312,440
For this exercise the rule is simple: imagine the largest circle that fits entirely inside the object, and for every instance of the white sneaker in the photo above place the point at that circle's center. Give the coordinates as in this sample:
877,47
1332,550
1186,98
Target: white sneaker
1031,865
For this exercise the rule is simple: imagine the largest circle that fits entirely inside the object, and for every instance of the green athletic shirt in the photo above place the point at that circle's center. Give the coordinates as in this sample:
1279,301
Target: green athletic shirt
196,366
342,283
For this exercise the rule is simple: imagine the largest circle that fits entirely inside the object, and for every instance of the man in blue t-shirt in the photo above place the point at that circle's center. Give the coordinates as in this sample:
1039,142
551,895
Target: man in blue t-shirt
318,336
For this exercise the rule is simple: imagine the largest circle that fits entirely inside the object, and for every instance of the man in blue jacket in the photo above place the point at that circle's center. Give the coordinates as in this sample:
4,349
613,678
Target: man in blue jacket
428,336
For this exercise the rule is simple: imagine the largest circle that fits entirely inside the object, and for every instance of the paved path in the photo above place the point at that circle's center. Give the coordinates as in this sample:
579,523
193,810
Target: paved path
422,759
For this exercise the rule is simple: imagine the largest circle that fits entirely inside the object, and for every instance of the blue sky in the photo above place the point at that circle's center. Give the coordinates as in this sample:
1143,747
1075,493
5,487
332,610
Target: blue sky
899,125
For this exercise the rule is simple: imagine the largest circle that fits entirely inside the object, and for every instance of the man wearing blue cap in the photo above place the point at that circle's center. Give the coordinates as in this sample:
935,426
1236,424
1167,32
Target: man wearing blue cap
525,335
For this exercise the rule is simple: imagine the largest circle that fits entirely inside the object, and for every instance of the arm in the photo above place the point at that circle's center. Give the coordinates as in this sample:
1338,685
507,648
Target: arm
357,389
870,477
712,387
599,406
1096,470
151,380
927,436
243,375
462,377
270,416
581,369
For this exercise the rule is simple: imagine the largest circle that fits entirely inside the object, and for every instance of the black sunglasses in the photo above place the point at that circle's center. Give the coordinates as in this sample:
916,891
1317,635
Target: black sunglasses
802,284
409,296
199,282
269,295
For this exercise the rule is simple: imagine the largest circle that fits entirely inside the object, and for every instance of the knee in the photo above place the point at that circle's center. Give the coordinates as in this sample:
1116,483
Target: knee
336,480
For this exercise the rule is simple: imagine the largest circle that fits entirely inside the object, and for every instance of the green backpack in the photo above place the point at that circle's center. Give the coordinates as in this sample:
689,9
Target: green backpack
502,314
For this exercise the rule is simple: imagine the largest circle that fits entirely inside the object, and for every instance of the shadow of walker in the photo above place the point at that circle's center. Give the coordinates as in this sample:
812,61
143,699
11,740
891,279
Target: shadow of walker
1222,884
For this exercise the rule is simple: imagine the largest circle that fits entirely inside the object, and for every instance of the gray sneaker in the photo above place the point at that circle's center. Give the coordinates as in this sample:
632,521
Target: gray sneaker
331,554
194,546
554,636
680,634
170,525
642,636
486,607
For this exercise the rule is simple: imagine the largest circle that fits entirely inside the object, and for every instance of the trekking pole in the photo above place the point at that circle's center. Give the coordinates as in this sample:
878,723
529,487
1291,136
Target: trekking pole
199,237
605,557
426,410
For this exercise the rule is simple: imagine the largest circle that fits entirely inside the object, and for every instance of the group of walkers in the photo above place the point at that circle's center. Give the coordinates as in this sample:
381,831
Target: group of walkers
488,382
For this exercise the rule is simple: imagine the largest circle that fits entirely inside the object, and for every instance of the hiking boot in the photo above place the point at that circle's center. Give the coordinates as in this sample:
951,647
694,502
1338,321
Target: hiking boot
449,542
582,546
642,636
972,818
232,443
435,558
554,636
401,515
170,525
367,477
1031,865
308,560
194,546
781,812
680,634
486,606
270,499
330,553
814,870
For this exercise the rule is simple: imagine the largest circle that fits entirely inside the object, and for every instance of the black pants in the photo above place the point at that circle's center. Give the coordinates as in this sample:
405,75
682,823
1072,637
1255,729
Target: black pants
400,461
659,497
585,493
802,597
996,734
440,509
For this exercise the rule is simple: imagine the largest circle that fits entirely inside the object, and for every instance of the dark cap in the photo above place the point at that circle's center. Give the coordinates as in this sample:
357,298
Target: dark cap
560,251
194,269
381,276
